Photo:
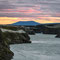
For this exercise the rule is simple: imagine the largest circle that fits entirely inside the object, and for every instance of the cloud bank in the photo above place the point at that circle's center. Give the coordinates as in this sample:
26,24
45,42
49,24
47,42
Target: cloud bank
35,9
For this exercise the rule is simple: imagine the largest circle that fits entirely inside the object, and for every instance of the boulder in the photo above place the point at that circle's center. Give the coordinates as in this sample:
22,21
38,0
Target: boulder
58,35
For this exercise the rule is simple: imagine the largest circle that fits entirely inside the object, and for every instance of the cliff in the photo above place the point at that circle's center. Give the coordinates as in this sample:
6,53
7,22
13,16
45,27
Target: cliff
8,37
5,52
16,37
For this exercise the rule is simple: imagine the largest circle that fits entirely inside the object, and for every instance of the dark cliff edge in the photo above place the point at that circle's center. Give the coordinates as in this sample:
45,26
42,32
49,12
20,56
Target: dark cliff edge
5,52
8,37
17,38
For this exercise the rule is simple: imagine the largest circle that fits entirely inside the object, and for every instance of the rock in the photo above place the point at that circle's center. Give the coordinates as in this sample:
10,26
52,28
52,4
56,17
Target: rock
48,29
5,52
8,37
58,36
17,38
31,32
58,33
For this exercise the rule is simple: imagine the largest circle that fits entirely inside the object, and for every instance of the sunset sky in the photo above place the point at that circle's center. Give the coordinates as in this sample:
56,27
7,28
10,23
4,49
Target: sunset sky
42,11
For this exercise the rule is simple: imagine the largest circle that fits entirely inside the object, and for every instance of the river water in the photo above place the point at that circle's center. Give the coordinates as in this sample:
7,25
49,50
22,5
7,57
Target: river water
43,47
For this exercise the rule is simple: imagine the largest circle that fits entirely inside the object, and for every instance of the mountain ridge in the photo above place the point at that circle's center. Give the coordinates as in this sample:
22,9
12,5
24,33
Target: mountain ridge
29,23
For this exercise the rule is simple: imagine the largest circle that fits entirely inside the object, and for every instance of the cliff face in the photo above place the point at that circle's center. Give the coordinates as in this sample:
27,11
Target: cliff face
15,37
5,52
11,37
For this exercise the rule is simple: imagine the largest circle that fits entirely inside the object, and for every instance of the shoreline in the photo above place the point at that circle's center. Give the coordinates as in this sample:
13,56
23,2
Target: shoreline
8,37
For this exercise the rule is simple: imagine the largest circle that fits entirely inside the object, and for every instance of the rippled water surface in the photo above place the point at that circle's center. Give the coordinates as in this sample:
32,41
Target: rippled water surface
43,47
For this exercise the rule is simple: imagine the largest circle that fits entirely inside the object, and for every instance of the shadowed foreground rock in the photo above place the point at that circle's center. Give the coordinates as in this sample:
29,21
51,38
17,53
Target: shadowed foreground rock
17,38
58,36
5,52
8,37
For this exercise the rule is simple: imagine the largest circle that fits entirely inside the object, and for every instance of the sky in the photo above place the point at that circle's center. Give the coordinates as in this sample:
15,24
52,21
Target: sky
42,11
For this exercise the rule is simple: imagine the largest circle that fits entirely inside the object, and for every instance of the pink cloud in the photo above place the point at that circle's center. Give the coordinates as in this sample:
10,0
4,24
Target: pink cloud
21,11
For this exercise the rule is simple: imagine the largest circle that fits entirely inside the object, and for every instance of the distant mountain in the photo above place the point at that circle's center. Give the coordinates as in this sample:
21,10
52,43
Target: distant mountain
26,23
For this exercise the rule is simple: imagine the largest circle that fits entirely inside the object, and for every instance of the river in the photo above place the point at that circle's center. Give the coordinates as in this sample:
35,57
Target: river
43,47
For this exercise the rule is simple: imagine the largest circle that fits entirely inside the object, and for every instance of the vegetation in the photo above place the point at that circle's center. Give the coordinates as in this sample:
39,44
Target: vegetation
7,38
5,52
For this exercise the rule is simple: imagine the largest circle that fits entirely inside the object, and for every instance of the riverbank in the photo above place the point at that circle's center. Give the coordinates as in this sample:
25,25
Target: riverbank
5,52
8,37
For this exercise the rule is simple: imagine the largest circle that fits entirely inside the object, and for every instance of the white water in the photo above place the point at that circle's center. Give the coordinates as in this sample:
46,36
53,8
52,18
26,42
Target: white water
43,47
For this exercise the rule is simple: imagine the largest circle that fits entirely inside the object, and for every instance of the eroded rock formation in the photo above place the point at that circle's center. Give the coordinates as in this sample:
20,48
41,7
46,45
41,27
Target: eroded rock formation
8,37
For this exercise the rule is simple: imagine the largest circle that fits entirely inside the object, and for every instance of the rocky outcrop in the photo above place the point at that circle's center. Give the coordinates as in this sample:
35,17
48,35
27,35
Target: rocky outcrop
30,32
49,28
5,52
58,34
16,37
8,37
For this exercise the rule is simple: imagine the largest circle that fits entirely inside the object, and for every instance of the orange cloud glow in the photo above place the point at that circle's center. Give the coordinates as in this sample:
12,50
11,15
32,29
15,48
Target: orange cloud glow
7,20
10,20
